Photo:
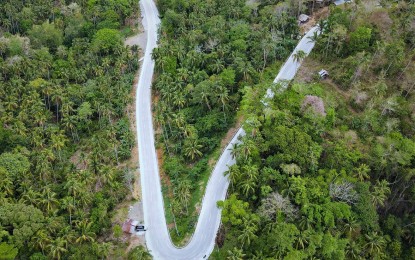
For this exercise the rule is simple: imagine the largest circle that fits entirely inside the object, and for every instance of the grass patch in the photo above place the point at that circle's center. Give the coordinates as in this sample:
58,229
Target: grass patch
186,224
128,31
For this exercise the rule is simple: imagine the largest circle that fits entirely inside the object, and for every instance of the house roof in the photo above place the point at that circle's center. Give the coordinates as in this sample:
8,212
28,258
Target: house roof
129,226
303,18
323,73
126,226
340,2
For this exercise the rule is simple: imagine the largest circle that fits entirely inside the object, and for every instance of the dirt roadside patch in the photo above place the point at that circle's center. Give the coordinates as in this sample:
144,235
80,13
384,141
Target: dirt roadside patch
318,15
134,208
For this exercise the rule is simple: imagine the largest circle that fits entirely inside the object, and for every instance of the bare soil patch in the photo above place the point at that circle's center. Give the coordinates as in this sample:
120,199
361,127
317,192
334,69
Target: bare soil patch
133,162
308,70
124,209
134,242
231,133
318,14
77,160
307,73
163,176
139,39
225,141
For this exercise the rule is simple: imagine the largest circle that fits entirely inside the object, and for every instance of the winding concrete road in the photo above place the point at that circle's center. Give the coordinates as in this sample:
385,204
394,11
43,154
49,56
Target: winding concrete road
157,235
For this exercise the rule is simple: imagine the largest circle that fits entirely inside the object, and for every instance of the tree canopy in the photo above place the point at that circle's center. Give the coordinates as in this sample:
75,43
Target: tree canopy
208,52
331,181
66,79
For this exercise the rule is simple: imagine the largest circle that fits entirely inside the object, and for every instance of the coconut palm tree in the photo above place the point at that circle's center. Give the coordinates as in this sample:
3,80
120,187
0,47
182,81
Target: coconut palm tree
31,197
375,244
139,253
233,174
189,131
179,120
179,100
246,69
305,223
183,74
68,204
248,232
73,186
203,93
249,173
102,249
58,247
354,250
41,240
84,231
48,199
161,63
106,175
192,148
362,172
223,97
58,140
248,187
380,192
314,37
57,97
234,150
6,183
298,57
235,254
351,227
217,66
183,191
303,239
246,148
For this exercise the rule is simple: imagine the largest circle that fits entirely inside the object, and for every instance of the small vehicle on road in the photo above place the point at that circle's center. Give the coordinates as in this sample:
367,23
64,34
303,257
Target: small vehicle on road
140,228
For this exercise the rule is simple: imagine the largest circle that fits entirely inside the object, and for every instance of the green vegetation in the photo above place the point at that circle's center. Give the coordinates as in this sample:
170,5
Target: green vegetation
140,253
208,51
65,80
326,168
325,171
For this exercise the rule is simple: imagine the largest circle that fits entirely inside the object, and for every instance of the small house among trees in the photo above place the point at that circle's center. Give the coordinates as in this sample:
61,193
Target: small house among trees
303,18
323,74
340,2
129,226
319,3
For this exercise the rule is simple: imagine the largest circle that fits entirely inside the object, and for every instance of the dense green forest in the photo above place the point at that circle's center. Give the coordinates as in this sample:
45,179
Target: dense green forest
65,82
208,50
326,170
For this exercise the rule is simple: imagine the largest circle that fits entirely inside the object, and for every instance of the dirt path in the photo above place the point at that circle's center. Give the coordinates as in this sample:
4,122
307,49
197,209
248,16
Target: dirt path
135,207
139,39
231,133
321,13
308,72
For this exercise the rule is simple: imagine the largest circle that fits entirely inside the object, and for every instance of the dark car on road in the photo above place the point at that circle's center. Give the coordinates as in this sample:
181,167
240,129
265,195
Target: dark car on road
140,228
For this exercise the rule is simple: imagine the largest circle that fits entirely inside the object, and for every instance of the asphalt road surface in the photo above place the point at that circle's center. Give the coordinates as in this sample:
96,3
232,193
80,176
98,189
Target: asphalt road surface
291,66
157,235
